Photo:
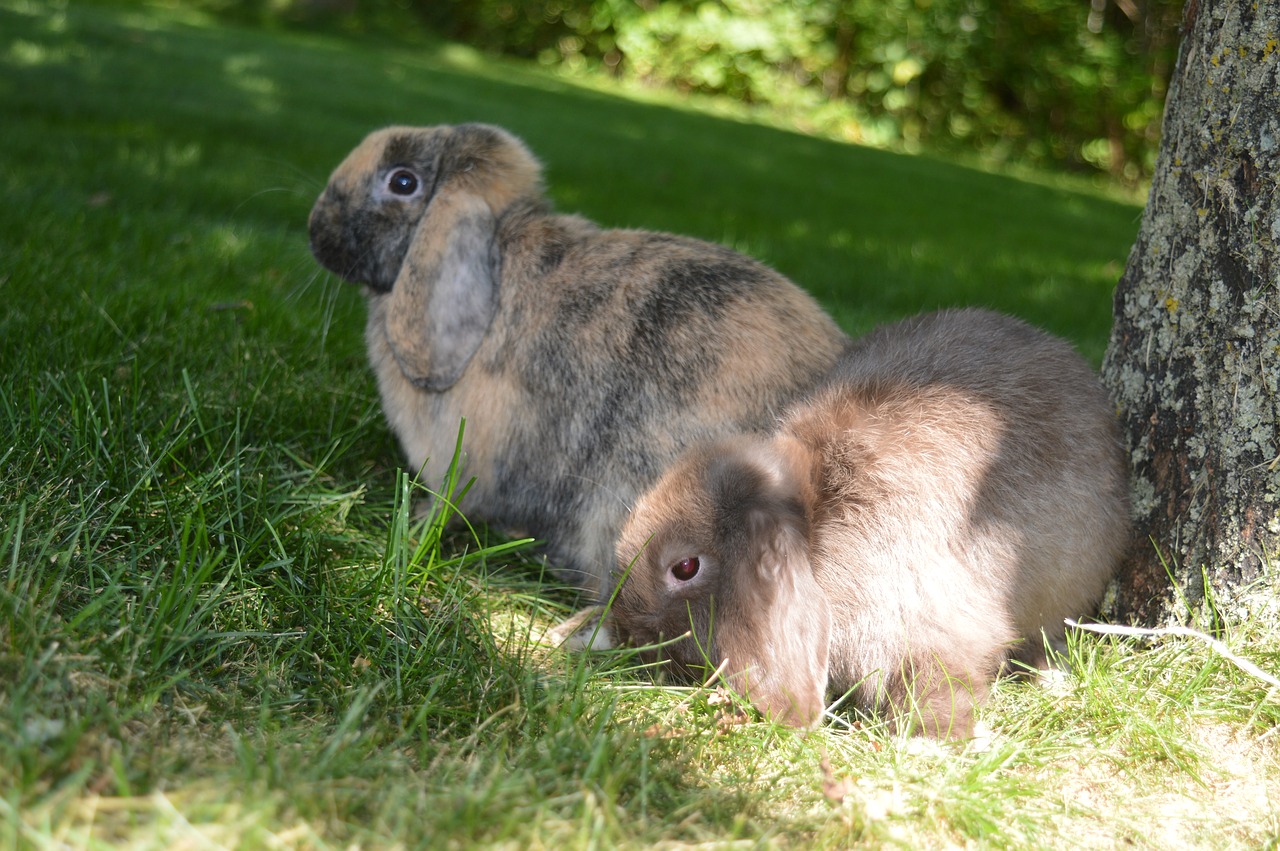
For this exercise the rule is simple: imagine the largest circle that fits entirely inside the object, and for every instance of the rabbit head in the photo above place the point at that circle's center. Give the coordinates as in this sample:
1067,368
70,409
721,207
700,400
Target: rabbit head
714,564
412,213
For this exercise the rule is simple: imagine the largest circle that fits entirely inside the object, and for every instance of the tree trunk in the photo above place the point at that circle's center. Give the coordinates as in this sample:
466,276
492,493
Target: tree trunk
1194,357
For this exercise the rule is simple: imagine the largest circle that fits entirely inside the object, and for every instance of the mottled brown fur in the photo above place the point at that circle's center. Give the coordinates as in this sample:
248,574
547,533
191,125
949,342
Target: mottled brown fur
584,360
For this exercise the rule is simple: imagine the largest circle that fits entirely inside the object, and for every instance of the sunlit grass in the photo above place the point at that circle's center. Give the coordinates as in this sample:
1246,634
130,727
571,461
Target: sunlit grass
222,621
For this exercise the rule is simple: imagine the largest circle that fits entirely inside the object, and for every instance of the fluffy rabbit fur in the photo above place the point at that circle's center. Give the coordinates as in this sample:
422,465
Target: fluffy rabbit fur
582,359
930,515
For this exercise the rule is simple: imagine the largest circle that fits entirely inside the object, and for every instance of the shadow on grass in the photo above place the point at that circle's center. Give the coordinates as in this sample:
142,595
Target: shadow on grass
154,114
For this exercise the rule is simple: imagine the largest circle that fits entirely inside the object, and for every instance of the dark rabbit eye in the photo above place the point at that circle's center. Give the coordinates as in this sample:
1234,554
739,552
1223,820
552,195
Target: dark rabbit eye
686,569
402,182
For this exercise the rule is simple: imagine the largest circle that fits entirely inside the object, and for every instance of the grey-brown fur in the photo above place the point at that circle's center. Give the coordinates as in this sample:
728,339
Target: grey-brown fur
936,511
584,360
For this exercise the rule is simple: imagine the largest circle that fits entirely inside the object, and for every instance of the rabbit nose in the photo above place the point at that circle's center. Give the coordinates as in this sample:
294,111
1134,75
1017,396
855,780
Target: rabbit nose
326,242
318,223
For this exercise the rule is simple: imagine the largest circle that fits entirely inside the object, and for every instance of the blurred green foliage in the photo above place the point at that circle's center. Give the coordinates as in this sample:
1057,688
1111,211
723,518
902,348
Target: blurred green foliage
1078,84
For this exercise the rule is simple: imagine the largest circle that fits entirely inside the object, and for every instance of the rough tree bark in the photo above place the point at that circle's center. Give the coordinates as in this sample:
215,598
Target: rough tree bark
1194,358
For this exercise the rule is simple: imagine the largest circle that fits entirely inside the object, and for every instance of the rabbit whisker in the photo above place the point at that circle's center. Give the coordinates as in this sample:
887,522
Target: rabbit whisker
307,179
332,286
266,191
604,488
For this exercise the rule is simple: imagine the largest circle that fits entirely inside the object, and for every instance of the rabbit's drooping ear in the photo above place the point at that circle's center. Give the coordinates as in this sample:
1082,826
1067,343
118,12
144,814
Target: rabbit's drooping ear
447,291
775,630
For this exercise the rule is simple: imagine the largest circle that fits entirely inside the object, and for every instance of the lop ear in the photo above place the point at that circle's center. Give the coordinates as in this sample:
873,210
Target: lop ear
775,632
446,294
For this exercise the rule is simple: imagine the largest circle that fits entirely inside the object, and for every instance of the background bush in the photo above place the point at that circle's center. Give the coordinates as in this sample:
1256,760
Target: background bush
1076,84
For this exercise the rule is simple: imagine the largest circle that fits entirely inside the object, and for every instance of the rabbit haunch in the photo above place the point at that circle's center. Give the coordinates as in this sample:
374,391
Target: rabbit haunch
584,360
934,512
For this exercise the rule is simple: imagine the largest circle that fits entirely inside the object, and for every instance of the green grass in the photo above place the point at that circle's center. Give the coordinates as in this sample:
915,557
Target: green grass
219,623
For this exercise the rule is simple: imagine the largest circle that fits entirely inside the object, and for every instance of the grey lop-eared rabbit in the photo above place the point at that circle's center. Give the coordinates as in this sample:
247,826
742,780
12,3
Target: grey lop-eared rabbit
584,360
932,514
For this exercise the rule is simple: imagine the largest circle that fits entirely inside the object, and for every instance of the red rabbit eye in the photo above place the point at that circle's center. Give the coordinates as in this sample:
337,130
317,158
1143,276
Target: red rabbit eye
686,569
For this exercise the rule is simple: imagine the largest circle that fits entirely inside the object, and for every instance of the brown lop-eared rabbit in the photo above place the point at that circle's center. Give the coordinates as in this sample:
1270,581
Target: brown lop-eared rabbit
584,360
929,516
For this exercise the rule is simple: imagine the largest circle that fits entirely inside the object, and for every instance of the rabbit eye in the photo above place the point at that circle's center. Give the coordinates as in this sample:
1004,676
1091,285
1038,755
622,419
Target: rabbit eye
686,569
402,182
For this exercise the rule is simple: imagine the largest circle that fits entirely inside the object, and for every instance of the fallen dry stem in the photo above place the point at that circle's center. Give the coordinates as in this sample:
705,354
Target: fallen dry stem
1214,644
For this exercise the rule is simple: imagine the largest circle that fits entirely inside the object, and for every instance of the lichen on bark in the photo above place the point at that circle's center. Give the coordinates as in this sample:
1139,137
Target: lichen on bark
1194,358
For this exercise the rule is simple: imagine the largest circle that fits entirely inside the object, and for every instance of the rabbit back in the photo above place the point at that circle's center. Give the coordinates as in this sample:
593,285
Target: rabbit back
1039,443
633,347
972,496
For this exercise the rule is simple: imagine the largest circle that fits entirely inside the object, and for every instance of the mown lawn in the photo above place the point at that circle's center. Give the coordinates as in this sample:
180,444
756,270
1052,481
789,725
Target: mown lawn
219,626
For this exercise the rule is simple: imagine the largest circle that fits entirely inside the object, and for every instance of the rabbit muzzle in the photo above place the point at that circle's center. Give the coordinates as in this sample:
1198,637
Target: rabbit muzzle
354,247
